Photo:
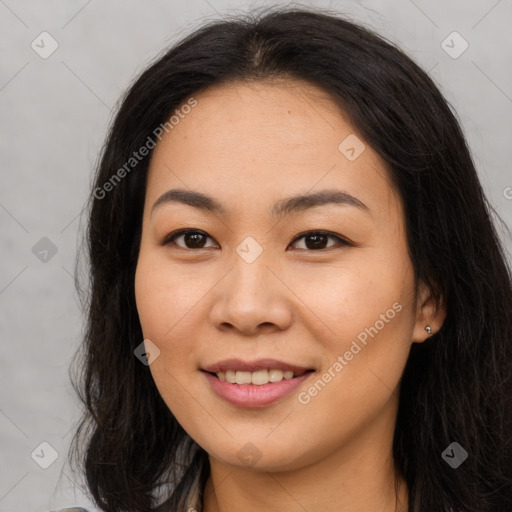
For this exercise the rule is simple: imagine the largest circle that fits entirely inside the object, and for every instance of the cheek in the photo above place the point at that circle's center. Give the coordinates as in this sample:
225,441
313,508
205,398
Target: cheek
349,298
162,304
367,316
164,298
164,307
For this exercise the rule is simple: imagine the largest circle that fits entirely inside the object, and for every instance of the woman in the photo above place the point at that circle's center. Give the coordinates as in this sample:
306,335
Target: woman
298,297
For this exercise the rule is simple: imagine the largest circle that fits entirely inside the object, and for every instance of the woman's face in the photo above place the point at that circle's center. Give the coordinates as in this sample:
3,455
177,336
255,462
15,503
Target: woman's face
255,280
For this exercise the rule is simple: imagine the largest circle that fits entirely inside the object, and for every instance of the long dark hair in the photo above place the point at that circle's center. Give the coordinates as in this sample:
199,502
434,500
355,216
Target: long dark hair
456,387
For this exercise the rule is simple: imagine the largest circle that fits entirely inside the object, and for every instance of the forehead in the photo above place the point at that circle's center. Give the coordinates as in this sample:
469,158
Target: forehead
272,139
283,115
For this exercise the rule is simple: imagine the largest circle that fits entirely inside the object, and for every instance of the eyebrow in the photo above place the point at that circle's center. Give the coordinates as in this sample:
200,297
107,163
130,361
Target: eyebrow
281,208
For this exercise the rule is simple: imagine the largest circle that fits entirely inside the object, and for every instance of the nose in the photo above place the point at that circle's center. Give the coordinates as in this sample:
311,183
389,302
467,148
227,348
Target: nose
252,299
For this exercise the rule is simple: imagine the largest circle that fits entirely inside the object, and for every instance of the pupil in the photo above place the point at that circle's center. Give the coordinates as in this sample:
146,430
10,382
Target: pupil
317,244
194,237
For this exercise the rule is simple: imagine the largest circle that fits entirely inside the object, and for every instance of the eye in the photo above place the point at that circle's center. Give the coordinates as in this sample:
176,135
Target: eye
193,237
314,240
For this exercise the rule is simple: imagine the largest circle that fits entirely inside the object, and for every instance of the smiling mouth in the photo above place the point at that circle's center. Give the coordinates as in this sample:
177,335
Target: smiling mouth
259,377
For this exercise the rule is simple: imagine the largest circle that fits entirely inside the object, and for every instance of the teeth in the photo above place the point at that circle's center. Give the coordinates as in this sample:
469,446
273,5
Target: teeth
258,378
243,377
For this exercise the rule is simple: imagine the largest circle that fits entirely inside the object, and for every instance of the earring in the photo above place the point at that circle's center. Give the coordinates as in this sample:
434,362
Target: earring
428,329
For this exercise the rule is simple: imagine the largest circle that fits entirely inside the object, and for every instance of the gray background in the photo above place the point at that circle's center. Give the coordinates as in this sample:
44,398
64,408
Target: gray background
54,115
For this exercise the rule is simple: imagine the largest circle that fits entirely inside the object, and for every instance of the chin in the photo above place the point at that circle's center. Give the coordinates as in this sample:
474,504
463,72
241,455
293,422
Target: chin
261,455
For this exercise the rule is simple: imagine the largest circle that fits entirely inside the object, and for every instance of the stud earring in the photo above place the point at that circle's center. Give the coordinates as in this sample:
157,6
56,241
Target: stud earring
428,329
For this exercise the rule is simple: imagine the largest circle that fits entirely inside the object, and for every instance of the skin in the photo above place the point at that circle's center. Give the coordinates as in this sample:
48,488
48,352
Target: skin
248,146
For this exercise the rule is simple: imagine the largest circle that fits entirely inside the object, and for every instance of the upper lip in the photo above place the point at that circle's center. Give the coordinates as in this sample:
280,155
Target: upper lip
253,366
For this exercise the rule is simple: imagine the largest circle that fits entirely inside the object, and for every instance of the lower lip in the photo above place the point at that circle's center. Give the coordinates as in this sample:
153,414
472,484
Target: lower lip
251,395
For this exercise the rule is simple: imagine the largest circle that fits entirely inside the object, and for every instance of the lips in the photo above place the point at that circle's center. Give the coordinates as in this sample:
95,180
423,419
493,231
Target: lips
254,366
255,383
251,395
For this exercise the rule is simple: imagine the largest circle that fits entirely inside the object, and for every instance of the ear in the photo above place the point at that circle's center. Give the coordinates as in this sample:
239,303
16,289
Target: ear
427,313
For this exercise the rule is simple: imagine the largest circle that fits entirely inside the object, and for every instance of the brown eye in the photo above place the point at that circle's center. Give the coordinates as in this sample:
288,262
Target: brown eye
317,240
193,239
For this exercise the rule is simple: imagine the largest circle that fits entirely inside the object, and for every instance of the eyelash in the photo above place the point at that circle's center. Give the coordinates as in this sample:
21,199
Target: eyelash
342,241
